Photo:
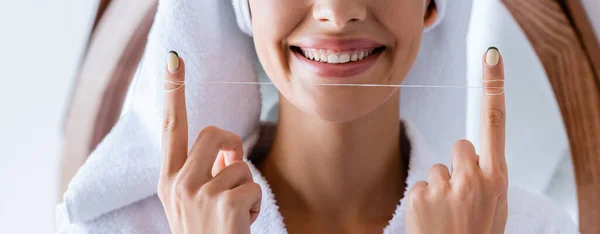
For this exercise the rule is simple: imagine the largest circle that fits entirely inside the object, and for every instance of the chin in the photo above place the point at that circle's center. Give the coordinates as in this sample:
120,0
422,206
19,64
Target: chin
340,104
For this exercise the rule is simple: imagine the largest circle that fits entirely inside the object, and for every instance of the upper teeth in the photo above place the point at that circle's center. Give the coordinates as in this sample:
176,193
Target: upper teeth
330,56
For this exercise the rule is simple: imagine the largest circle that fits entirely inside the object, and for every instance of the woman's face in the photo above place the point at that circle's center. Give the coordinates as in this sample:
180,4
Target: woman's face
305,42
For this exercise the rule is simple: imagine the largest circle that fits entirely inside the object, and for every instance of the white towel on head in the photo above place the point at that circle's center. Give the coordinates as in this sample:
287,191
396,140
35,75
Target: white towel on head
124,168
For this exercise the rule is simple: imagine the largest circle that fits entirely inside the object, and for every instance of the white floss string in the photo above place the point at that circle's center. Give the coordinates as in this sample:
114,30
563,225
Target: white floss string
500,88
350,85
179,84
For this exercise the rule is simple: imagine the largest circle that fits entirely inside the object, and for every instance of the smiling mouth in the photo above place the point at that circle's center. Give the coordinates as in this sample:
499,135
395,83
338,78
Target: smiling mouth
328,63
337,57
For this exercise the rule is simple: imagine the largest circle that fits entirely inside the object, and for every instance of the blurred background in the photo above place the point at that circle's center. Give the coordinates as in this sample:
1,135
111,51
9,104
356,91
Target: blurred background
43,43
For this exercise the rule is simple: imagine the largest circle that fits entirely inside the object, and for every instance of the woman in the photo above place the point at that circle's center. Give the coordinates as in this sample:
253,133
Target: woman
339,159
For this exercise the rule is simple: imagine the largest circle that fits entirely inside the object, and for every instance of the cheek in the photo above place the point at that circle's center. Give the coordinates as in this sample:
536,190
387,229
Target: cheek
272,24
274,20
404,21
405,52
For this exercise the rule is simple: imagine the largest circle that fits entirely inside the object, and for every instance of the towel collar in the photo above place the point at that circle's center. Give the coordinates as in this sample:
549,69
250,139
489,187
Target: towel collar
270,219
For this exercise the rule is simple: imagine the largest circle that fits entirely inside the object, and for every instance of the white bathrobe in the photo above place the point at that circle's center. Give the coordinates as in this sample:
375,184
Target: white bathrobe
528,213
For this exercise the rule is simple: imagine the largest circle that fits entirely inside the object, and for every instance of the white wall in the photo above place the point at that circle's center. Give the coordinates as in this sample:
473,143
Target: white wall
593,12
41,42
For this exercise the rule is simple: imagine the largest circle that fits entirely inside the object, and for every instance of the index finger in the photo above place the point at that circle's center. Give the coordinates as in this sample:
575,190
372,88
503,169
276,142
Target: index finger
493,114
175,126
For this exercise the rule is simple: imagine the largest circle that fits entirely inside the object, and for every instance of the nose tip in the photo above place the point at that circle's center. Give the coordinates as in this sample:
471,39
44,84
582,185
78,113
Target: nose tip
340,23
340,13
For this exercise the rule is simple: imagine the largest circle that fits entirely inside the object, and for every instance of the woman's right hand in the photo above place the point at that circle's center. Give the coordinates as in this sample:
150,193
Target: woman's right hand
210,189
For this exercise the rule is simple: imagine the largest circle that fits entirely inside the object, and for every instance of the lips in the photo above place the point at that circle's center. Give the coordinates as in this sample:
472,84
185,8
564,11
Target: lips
338,58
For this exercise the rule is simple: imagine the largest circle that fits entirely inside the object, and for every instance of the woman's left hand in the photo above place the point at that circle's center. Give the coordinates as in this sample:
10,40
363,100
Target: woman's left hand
473,199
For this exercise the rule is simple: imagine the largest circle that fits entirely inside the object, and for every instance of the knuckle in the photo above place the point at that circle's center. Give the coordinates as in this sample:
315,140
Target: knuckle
461,145
417,196
228,201
495,117
256,187
182,191
461,177
244,170
463,142
207,189
161,192
417,189
162,189
241,168
237,138
209,132
168,120
240,165
439,189
499,185
470,171
181,188
464,190
438,167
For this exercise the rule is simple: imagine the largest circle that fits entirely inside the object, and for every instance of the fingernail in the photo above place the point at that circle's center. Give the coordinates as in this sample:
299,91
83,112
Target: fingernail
492,57
228,158
172,61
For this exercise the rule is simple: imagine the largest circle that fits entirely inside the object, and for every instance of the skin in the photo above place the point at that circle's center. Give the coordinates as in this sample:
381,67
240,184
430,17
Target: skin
316,174
330,180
